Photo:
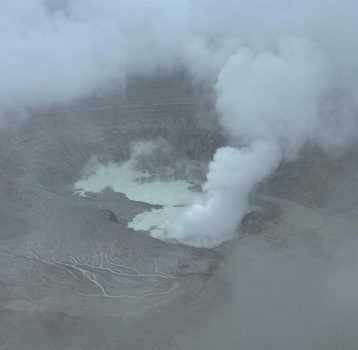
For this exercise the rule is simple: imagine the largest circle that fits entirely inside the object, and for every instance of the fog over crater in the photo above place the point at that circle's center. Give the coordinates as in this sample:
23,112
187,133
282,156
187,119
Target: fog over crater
170,169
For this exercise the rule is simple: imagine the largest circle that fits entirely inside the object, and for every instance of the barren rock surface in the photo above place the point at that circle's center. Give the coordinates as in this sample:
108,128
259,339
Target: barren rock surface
74,276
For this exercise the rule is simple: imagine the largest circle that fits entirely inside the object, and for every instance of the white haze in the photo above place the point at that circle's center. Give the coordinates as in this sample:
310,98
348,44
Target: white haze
306,303
284,73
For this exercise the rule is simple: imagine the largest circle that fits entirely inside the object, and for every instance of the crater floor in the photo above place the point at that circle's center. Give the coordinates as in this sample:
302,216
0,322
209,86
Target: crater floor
75,276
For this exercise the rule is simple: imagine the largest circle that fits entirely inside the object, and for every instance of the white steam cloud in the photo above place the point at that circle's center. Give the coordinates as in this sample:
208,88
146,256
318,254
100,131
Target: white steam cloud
272,103
285,73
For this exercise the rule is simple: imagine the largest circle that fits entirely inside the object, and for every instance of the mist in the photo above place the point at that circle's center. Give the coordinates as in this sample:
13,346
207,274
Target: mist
304,302
284,74
95,90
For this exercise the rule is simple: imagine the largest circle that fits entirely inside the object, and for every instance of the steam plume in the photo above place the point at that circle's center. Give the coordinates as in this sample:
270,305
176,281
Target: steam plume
273,103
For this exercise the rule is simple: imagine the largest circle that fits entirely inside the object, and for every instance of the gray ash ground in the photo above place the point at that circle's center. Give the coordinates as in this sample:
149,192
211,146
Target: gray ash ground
74,276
